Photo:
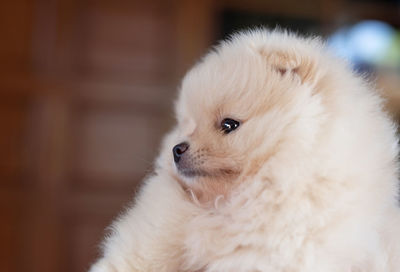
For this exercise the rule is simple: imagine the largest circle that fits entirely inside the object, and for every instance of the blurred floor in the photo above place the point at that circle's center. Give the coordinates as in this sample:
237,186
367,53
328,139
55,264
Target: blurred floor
86,91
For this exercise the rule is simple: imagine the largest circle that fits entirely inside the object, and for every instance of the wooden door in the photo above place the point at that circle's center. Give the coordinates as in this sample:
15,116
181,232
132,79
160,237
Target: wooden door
86,91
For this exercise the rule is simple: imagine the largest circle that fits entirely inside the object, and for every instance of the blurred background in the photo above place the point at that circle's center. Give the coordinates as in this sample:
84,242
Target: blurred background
86,91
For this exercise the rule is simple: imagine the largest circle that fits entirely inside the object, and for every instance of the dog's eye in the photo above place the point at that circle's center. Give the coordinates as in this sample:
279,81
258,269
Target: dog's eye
229,125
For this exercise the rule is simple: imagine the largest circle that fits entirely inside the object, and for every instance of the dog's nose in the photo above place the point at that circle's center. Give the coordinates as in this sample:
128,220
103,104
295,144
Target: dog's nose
179,149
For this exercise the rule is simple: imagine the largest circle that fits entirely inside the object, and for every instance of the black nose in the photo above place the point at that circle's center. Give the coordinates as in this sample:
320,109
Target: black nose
179,149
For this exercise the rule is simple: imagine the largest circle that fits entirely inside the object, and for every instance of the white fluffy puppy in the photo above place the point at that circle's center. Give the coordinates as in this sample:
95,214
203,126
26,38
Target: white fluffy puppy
282,161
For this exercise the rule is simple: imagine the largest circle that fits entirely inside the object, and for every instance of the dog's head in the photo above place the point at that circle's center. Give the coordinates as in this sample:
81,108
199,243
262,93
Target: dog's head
246,101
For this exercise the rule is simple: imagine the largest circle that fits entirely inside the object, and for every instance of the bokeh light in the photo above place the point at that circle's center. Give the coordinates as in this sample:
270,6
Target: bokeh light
371,43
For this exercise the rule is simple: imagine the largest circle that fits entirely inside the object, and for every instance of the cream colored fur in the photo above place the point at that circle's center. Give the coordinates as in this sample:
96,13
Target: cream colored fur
309,180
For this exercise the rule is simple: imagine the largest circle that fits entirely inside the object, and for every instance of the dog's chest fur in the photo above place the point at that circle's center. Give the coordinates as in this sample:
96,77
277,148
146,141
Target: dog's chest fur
258,235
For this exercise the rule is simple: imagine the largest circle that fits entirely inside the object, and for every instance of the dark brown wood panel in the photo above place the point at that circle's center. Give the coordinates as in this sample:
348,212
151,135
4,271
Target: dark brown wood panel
13,119
10,210
16,29
113,148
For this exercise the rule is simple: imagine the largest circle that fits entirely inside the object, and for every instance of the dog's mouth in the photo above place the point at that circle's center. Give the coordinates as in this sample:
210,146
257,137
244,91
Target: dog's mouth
192,172
191,166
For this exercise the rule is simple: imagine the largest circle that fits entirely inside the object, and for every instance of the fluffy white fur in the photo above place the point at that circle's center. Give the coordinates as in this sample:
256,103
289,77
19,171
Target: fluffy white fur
310,176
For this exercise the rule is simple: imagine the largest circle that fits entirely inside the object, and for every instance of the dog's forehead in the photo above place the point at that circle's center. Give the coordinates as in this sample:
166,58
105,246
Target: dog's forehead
224,76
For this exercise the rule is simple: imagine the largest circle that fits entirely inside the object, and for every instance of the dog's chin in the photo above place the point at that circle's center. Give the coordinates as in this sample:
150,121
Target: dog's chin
203,185
195,177
190,179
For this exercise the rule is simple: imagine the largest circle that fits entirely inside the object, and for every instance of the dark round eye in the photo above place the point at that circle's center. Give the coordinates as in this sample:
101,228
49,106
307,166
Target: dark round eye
228,125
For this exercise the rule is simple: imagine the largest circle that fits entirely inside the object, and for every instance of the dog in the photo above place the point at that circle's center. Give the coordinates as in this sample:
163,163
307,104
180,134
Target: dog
282,159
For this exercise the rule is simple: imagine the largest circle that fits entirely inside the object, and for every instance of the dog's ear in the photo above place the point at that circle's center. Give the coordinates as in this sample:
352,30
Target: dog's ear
301,66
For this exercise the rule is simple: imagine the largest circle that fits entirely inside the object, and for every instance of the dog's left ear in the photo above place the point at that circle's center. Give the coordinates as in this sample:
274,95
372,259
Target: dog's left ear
301,66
